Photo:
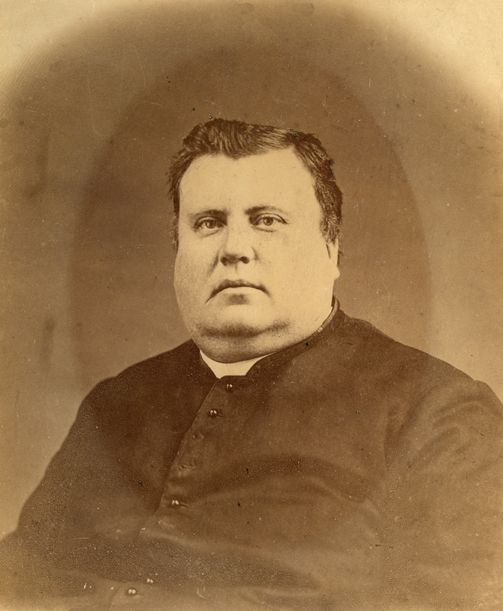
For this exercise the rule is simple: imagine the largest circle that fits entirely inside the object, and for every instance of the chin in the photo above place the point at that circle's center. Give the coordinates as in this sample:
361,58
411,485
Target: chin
231,329
234,321
237,340
238,322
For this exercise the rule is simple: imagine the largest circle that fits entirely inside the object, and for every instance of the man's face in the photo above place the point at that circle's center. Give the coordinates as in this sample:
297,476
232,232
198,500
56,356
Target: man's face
253,272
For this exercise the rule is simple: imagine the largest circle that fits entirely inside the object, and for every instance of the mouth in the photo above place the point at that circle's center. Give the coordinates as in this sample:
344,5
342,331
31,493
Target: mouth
234,284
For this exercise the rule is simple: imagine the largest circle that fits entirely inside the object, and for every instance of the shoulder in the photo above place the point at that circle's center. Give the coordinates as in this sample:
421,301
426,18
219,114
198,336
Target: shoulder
397,378
420,393
373,352
163,369
143,387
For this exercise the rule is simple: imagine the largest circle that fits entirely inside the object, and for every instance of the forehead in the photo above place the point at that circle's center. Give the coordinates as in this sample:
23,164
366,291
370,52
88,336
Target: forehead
218,180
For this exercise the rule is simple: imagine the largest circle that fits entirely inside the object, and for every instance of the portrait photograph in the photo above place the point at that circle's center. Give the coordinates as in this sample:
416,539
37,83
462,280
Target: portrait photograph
251,314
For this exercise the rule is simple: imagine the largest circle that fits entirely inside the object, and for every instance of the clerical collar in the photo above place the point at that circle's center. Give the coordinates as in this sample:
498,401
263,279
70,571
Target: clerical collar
241,368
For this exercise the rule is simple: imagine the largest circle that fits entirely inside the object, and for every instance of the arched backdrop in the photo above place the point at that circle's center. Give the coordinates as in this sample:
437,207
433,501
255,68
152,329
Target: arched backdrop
90,120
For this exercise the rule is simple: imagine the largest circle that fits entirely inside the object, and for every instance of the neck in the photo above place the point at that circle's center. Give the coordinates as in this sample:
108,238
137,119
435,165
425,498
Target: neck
236,347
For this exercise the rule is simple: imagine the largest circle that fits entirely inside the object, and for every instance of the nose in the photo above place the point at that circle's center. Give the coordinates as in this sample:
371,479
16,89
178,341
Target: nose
237,245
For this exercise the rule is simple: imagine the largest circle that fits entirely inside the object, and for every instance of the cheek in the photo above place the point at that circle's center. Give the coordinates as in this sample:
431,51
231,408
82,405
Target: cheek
293,267
183,271
307,253
311,263
187,258
278,249
191,269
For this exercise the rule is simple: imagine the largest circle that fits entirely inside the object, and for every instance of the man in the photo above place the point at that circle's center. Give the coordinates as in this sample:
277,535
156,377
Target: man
288,456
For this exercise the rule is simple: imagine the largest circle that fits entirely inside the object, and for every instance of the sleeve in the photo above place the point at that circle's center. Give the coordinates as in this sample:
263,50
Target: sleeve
26,555
443,533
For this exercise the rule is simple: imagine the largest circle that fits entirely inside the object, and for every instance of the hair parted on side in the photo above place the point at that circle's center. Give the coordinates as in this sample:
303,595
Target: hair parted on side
237,139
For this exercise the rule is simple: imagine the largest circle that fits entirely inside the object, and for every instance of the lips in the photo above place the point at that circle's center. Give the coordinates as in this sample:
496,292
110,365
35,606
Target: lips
227,284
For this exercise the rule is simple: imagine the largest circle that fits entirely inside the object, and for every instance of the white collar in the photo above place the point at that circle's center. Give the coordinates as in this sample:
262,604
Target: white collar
241,368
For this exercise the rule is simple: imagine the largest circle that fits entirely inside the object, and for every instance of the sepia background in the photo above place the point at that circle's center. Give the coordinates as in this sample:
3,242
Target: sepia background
96,95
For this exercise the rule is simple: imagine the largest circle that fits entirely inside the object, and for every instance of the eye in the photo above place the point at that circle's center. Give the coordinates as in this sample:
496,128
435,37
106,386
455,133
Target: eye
268,220
208,224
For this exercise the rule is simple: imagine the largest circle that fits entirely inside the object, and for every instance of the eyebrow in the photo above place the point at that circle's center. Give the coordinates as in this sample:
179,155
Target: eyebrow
267,208
209,212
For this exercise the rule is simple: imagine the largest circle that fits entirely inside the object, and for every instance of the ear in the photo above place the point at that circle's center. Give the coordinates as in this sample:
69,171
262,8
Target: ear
333,255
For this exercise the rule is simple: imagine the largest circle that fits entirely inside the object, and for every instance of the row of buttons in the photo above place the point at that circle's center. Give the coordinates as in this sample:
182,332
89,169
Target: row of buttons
212,413
177,503
134,591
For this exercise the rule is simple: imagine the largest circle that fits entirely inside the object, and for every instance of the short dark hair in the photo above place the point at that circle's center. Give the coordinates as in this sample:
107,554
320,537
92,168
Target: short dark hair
238,139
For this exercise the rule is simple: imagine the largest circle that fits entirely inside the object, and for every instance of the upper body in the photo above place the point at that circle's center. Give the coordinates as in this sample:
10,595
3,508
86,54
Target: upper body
343,471
337,473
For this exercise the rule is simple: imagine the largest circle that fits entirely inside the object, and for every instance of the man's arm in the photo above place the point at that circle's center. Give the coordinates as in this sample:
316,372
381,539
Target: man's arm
444,510
26,555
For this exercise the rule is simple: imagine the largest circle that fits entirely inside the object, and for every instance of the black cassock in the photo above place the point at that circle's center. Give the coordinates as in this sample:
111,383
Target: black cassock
346,472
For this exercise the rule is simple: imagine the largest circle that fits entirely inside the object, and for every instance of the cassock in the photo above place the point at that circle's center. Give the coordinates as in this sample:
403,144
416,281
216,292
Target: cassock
345,472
